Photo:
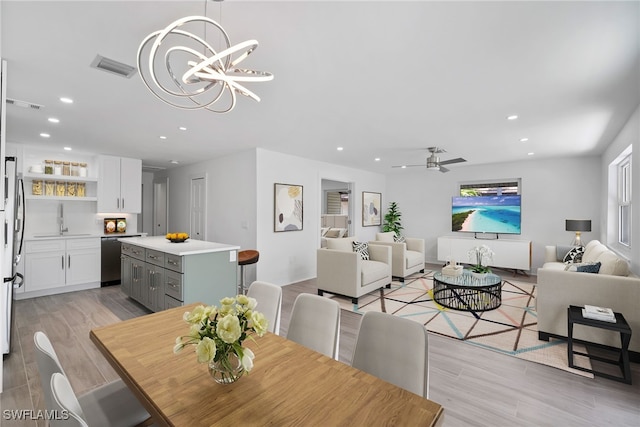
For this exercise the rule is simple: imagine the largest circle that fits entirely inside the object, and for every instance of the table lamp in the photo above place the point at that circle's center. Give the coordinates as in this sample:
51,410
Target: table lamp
577,225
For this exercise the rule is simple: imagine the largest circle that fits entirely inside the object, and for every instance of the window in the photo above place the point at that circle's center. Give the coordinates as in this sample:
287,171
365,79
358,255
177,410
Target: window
624,201
498,188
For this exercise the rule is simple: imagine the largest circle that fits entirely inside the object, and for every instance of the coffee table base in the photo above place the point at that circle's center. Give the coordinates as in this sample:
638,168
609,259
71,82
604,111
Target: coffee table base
480,298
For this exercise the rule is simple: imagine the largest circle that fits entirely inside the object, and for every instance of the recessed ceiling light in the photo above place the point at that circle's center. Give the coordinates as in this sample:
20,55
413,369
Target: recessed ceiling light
163,137
403,167
524,139
340,148
512,117
66,100
182,128
174,162
377,159
53,120
530,154
45,135
67,148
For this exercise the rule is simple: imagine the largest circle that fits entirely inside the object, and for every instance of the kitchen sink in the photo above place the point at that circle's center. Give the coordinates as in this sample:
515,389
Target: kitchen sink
42,236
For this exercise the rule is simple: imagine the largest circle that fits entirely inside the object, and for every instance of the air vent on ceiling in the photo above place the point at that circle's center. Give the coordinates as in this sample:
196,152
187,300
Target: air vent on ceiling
148,168
24,104
112,66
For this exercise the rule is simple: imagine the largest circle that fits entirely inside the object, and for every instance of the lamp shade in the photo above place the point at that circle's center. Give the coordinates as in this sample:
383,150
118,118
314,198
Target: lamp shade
578,225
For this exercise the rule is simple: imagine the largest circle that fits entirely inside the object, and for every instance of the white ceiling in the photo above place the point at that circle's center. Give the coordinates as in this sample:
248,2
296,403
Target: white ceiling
380,78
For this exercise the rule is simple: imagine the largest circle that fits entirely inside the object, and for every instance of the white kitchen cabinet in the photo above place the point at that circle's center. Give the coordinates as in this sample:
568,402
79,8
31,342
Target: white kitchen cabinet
44,265
60,265
119,184
83,261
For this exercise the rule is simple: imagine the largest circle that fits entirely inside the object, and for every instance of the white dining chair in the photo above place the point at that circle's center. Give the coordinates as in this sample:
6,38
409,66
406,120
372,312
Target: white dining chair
315,323
394,349
269,297
111,404
65,402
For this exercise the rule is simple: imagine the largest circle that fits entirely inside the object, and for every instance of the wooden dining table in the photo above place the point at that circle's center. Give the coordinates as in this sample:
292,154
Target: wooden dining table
288,385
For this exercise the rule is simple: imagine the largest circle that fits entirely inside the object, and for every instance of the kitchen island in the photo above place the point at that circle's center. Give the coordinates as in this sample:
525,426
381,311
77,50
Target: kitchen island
160,274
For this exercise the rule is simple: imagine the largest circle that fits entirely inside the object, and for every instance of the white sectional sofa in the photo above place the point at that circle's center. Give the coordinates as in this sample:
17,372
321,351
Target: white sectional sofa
614,286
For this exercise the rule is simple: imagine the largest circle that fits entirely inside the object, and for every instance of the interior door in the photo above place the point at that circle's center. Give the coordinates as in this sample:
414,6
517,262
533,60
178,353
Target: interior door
198,208
160,206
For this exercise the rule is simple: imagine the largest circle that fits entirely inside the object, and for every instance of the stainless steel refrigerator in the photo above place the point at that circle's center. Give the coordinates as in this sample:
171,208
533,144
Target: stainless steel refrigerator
11,249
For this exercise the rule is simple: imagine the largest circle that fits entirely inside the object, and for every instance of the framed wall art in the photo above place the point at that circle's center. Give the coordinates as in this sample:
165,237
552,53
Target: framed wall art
371,203
288,207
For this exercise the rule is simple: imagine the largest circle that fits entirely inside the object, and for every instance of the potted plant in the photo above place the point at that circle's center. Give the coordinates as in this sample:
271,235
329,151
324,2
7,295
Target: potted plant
480,256
218,333
392,219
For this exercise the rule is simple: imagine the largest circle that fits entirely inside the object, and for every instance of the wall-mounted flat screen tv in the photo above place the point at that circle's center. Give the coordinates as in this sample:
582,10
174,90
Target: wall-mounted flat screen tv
486,214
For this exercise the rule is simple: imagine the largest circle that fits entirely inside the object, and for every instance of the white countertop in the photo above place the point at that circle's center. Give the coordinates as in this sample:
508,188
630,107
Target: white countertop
51,236
188,247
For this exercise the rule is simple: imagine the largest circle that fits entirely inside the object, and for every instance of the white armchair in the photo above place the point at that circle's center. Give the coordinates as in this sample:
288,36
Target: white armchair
406,258
341,271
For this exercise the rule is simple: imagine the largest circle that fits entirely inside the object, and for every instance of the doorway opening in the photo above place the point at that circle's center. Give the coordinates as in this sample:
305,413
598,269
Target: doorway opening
337,210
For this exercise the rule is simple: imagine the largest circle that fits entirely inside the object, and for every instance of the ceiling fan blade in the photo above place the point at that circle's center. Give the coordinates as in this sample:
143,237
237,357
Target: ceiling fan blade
448,162
407,166
443,170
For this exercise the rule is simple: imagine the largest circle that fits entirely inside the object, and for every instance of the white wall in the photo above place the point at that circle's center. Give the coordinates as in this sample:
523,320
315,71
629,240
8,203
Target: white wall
629,135
552,190
288,257
231,198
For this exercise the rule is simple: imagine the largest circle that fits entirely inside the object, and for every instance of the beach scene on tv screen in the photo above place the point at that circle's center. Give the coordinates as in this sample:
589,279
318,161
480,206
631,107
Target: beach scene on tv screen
486,214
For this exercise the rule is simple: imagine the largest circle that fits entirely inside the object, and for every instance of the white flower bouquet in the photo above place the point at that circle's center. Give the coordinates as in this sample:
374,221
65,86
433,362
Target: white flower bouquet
480,256
218,333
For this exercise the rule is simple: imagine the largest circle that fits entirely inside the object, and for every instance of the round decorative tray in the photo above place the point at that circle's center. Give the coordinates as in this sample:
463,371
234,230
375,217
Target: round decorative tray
178,240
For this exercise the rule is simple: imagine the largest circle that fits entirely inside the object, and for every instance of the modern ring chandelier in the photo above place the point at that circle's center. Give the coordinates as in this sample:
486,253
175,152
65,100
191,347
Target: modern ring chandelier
183,70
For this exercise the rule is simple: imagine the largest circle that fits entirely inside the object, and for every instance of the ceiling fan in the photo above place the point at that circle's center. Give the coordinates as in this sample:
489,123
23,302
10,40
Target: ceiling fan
433,161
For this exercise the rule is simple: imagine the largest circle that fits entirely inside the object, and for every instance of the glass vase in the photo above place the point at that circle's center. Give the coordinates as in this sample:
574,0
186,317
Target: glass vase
227,369
479,276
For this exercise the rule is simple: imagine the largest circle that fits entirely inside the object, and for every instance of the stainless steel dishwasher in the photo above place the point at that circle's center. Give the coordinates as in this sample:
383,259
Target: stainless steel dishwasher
110,256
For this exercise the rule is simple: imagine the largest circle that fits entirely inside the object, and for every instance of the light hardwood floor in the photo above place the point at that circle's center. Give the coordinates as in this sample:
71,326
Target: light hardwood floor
477,387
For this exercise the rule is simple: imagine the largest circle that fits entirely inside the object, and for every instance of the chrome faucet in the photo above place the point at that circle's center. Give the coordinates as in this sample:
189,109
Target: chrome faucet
63,229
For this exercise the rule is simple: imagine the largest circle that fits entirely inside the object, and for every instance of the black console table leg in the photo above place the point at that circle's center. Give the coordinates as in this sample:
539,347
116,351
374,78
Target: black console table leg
569,339
624,356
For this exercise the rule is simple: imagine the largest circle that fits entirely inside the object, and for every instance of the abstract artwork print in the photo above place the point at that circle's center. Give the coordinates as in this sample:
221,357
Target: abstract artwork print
288,207
371,203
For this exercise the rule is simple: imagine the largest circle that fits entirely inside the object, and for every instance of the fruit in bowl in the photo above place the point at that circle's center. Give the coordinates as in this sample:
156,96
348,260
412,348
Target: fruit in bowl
177,237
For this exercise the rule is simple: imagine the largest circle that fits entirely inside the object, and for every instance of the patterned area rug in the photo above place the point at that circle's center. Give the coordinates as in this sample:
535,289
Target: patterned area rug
510,329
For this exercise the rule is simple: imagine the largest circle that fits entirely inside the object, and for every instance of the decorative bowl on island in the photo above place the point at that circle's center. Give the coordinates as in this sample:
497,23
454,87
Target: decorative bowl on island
177,237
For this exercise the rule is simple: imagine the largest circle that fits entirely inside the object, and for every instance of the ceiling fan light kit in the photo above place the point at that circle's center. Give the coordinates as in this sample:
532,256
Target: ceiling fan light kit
183,69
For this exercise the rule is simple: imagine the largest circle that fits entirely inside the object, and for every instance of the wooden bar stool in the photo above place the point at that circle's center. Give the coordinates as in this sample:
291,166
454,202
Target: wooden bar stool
246,257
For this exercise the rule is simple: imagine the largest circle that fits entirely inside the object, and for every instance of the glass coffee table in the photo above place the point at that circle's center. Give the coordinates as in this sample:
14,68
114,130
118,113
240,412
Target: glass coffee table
466,292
